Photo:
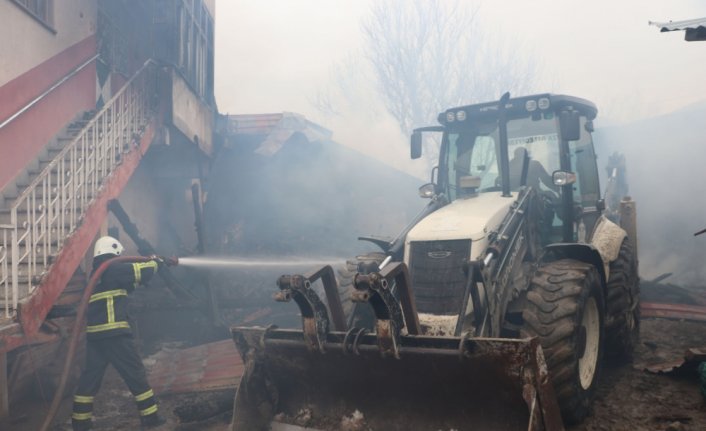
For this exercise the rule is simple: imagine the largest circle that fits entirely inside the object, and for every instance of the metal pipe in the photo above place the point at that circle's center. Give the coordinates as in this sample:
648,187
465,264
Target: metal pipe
384,262
46,92
80,314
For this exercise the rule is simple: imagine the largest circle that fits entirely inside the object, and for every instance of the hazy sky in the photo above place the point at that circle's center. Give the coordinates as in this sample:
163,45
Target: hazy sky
274,55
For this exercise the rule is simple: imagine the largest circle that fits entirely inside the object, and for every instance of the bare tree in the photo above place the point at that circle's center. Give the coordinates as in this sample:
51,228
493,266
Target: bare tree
425,56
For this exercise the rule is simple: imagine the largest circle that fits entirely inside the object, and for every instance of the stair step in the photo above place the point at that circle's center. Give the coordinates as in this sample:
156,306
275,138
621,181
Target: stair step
54,250
23,183
50,155
53,179
9,199
23,292
7,203
39,196
51,257
22,217
73,288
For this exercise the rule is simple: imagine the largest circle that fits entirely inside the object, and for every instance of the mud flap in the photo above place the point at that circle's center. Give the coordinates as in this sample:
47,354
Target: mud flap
436,384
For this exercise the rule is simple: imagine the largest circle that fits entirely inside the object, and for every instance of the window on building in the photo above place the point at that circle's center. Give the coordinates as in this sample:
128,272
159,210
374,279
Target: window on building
195,33
42,10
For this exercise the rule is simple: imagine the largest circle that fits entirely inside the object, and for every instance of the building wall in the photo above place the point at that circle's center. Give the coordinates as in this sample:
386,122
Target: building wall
190,115
73,22
158,199
27,73
139,190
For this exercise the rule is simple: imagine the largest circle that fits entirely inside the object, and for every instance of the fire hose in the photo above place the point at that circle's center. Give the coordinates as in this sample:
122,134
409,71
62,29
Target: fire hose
80,314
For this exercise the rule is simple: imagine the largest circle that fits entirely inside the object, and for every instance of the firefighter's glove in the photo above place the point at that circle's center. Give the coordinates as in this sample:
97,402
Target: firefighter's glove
159,259
168,261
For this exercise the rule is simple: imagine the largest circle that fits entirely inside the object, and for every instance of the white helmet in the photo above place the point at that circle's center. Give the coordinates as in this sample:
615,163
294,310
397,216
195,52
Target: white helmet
107,245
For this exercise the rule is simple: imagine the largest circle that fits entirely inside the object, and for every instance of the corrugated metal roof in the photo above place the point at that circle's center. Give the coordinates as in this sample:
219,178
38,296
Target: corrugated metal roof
277,129
250,124
695,28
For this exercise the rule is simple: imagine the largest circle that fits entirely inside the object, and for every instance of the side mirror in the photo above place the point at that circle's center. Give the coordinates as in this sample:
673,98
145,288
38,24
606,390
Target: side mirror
416,145
427,191
570,124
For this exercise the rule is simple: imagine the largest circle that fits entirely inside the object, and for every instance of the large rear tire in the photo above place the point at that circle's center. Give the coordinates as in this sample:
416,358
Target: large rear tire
622,306
565,309
356,316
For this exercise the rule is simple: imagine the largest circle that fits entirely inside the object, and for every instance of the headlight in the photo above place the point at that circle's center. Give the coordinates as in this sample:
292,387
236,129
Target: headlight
461,115
562,178
450,117
531,105
543,103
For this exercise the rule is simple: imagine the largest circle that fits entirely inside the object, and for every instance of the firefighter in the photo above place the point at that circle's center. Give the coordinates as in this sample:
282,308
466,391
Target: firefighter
109,338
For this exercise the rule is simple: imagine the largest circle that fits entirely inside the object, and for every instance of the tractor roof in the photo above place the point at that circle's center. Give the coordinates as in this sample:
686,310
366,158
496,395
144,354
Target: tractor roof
524,104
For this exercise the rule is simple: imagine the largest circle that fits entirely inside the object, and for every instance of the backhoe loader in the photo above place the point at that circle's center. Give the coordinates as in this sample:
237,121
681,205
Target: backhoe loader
494,309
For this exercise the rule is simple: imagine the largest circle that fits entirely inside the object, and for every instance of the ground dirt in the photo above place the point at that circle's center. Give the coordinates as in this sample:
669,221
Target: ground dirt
627,398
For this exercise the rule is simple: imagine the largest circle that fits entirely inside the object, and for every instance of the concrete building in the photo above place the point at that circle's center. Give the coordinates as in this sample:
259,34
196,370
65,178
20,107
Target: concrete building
100,100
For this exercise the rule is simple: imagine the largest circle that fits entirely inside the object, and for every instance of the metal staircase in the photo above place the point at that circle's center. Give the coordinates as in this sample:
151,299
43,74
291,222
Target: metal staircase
50,204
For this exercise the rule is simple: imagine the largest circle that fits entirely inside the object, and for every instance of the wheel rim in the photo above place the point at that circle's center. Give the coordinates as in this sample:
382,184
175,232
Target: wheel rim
591,324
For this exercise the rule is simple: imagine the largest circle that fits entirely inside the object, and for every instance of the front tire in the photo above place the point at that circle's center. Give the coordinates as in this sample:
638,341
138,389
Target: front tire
361,317
565,310
623,306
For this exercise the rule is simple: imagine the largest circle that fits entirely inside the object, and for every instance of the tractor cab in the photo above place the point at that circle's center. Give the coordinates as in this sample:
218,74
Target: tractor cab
543,141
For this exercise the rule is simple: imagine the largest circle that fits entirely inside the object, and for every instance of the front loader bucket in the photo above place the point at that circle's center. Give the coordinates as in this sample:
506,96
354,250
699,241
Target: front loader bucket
436,384
347,379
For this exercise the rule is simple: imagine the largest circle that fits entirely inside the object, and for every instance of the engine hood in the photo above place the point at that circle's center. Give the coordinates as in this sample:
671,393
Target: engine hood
470,218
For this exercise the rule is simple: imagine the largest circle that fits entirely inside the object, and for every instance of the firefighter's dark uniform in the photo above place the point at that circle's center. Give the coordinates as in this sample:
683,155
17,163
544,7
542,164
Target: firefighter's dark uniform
109,341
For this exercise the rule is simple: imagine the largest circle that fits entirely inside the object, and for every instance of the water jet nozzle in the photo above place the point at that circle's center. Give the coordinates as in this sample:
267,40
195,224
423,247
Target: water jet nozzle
169,261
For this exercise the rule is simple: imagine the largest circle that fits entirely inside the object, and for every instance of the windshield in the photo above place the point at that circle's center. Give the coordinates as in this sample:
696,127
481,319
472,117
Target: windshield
473,151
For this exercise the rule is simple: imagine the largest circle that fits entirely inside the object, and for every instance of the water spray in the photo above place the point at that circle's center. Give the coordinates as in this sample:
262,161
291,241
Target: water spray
221,262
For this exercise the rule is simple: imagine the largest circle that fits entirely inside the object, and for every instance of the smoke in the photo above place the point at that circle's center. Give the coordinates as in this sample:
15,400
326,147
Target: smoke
308,199
665,157
252,262
294,211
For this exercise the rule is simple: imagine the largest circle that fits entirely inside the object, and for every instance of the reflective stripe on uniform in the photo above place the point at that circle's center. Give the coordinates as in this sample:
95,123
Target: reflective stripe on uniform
107,326
110,309
82,416
149,410
138,267
82,399
107,294
149,264
138,273
144,396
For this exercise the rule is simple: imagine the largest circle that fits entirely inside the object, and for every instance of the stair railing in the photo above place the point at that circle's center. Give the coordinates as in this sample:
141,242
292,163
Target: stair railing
51,207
